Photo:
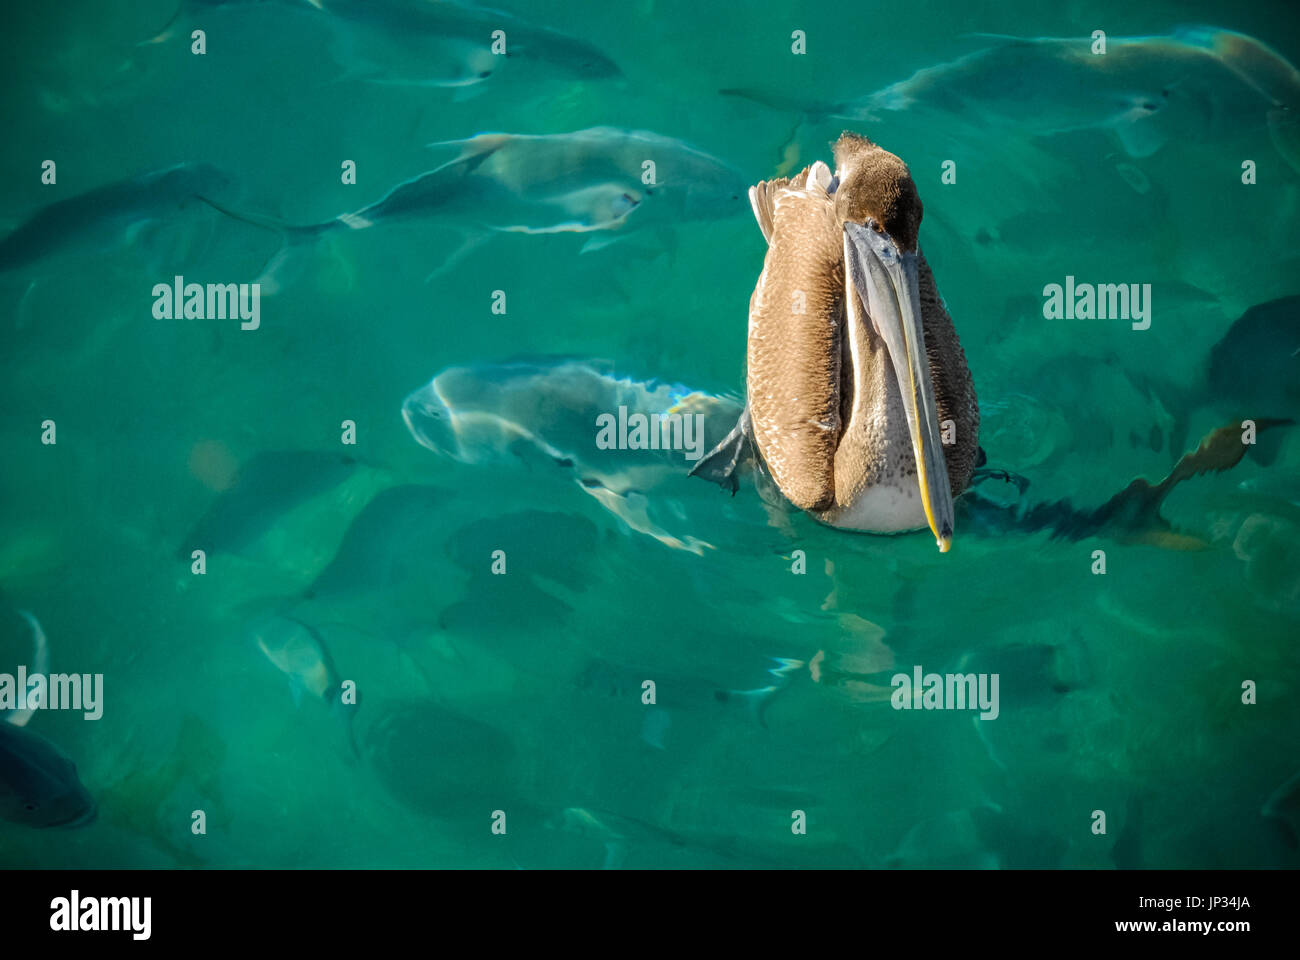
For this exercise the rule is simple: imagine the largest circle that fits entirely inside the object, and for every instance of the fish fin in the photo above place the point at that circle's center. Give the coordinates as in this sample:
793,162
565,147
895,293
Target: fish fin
467,91
722,462
403,653
1135,510
294,240
1138,133
137,229
471,243
1006,39
473,150
755,702
168,29
600,243
615,854
257,220
632,508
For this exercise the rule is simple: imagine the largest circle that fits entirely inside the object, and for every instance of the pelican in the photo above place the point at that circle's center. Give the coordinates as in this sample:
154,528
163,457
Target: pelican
859,404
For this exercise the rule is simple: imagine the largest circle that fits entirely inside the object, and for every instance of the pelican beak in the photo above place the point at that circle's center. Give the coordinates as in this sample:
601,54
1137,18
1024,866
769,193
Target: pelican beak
885,278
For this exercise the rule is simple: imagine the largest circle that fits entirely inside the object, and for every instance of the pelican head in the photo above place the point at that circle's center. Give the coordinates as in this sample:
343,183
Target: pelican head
873,184
876,200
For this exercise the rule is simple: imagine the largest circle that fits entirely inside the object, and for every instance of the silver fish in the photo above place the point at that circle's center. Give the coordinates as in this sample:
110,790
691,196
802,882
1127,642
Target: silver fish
100,218
387,543
554,183
1200,83
588,181
547,411
435,43
298,651
39,786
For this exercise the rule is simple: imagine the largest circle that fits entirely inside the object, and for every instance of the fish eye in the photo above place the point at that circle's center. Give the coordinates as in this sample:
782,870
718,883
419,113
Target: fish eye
1148,105
30,807
650,193
485,74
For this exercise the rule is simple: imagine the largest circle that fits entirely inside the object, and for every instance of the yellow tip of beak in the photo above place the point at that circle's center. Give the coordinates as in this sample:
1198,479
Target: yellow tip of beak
945,544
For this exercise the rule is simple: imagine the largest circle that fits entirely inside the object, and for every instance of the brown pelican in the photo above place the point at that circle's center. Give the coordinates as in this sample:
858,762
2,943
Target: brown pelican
859,400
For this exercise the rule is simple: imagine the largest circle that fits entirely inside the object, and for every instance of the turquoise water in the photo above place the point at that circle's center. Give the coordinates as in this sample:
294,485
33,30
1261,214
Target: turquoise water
522,693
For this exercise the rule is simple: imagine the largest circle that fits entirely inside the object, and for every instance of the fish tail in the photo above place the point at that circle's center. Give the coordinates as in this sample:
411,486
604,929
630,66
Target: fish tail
755,702
294,232
472,149
1133,515
295,240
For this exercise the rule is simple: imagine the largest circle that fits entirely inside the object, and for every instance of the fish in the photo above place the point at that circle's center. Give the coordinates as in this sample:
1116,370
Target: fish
1268,73
1251,372
266,486
387,543
1255,366
541,581
297,650
466,31
441,763
105,216
623,683
1148,91
583,182
425,43
541,414
545,412
1130,516
854,366
39,786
